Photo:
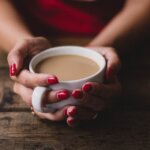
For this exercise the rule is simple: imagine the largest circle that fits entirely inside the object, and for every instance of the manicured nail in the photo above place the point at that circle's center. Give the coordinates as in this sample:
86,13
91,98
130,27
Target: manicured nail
77,94
71,121
12,70
87,87
52,80
65,112
61,95
73,112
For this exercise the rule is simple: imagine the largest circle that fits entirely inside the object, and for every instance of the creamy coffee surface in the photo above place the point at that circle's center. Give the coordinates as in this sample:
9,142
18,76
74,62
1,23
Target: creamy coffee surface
68,67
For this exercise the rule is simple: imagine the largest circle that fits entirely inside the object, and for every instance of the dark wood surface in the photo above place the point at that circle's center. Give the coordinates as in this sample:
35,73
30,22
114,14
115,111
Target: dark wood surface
126,126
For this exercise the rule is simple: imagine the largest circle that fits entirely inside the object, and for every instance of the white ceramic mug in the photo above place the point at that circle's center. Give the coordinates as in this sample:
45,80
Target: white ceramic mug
39,92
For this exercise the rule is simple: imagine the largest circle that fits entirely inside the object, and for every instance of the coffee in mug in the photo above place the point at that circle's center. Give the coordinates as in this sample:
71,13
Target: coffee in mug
68,67
73,65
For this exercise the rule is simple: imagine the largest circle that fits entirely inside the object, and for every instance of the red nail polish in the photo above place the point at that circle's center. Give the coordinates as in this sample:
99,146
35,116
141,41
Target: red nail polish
77,94
13,70
52,80
71,121
65,112
73,112
61,95
87,87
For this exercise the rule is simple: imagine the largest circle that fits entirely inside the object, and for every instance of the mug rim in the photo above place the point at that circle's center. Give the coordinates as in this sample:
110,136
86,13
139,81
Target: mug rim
101,69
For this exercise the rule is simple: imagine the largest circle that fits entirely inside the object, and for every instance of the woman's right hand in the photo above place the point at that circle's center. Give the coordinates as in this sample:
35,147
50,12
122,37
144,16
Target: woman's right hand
25,81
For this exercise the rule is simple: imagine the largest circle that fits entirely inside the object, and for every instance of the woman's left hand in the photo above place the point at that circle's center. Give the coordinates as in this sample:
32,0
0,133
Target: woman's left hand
96,97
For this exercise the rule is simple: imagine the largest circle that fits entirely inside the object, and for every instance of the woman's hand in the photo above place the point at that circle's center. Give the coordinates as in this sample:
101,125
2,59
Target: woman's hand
24,49
96,97
26,81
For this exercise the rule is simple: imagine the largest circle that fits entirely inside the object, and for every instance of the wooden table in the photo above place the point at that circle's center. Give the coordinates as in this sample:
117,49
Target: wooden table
124,127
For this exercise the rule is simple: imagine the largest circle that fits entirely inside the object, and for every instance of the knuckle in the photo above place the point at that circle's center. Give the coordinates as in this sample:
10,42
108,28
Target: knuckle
25,81
39,80
25,43
24,78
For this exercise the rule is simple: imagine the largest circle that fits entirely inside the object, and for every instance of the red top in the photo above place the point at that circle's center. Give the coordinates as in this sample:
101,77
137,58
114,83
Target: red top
86,17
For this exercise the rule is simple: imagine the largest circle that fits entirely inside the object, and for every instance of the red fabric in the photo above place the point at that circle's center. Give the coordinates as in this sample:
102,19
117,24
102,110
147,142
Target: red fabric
67,18
73,17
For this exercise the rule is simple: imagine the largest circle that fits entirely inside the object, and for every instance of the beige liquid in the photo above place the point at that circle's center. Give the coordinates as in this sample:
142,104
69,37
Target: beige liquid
68,67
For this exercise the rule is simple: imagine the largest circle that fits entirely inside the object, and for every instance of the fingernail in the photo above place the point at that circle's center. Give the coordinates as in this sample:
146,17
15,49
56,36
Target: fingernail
13,70
87,87
52,80
73,112
71,121
61,95
77,94
65,112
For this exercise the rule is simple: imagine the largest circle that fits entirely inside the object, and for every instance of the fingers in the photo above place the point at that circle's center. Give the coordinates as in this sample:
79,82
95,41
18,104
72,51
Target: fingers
16,56
112,57
72,119
58,95
50,97
76,115
97,96
72,122
32,79
113,61
80,113
57,116
24,92
23,48
89,101
106,91
26,95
